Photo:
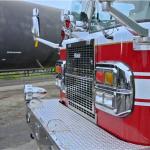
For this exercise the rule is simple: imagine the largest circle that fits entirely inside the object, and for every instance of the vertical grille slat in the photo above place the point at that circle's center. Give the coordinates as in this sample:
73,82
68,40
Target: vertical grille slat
79,76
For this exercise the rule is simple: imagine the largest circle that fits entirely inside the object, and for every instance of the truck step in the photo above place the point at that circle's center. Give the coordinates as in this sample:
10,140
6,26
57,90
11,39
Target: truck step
70,131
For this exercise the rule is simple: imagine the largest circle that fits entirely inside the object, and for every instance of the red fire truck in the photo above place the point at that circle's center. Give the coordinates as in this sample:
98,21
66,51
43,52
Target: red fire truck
103,78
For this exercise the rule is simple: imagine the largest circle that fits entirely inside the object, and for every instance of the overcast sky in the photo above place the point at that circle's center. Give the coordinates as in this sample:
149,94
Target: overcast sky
63,4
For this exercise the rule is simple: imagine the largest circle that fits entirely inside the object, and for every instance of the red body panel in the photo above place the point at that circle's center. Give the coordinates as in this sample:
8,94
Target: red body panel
124,52
134,128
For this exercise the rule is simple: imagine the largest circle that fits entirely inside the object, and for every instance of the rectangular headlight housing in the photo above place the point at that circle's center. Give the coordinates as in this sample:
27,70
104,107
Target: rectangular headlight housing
114,88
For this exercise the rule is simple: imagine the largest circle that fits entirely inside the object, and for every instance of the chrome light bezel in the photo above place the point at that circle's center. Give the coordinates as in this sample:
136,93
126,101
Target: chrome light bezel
121,92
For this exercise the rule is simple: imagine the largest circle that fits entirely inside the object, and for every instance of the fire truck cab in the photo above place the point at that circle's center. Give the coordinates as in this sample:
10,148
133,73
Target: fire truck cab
103,76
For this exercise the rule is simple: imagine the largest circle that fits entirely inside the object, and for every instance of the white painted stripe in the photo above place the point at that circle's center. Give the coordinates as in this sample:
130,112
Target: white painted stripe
14,52
142,88
142,104
141,73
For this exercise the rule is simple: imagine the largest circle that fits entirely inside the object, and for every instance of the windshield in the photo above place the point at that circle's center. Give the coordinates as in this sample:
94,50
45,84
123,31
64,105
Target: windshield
79,6
76,9
136,10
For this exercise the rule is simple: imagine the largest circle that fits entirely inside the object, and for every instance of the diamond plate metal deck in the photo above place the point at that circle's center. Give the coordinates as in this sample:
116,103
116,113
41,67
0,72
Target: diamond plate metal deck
70,131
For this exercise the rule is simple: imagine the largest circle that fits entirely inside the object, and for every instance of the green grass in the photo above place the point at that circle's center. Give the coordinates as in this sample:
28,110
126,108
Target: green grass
21,75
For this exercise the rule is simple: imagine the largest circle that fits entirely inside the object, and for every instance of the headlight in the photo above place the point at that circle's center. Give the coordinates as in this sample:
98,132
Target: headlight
114,88
104,98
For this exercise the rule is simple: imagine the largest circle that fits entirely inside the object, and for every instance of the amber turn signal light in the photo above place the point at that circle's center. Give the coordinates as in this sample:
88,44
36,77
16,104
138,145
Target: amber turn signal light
109,78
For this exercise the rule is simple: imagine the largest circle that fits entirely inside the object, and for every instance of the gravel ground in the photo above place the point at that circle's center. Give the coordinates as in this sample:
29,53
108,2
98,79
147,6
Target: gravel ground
14,132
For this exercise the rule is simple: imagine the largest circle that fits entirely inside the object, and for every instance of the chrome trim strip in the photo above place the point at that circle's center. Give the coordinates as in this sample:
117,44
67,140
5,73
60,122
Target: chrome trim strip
79,77
141,73
111,111
141,104
117,91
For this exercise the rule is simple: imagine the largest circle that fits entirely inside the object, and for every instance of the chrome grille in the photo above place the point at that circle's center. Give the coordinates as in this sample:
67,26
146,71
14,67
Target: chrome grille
79,77
83,66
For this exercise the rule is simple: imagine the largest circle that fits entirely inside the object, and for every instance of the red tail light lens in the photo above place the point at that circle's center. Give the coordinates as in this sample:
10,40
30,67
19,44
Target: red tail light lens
62,34
68,23
100,77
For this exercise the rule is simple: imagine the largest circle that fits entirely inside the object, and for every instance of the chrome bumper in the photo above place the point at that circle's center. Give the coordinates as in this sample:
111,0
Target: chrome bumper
57,127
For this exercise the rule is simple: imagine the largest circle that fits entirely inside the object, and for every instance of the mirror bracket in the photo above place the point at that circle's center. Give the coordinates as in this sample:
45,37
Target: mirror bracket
141,40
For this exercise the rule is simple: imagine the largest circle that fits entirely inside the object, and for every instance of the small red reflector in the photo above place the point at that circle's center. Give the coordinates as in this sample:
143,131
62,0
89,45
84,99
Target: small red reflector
62,34
68,23
100,77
